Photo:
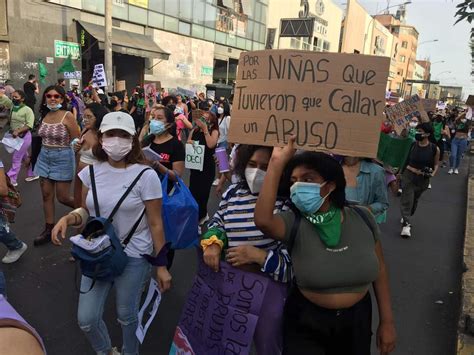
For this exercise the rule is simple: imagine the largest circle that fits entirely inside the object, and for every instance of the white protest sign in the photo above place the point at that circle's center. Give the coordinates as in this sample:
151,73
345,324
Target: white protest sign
98,78
194,156
152,290
73,75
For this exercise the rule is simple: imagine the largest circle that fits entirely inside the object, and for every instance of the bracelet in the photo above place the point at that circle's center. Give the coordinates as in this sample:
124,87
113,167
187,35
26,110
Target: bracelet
82,214
205,243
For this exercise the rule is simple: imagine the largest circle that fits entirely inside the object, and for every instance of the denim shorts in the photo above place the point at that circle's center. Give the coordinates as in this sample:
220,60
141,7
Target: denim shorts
56,164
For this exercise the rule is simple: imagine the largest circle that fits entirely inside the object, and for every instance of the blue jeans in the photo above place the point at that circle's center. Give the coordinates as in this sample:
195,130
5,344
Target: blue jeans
128,288
458,147
8,238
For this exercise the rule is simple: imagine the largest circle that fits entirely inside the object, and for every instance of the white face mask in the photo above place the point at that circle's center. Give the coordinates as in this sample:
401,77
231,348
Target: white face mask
254,179
413,124
220,110
117,148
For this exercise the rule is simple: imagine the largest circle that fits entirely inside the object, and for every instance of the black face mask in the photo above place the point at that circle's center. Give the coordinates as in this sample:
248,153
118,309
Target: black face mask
419,136
16,102
113,103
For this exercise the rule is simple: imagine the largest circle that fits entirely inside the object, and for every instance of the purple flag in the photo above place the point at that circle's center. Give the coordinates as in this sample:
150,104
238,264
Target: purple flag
221,312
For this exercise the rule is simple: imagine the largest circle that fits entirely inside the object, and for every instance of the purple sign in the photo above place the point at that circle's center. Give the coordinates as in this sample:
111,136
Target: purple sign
221,312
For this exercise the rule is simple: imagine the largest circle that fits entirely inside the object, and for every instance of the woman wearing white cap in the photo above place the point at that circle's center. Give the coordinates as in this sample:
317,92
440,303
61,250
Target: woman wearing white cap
120,162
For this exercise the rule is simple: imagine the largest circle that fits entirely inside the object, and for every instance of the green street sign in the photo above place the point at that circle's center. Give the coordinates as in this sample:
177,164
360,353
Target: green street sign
205,70
64,49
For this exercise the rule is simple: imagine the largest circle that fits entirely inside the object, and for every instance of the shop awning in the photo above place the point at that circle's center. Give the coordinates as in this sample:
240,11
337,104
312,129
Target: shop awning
127,42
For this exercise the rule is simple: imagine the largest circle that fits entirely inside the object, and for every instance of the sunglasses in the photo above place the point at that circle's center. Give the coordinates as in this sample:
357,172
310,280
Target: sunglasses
51,96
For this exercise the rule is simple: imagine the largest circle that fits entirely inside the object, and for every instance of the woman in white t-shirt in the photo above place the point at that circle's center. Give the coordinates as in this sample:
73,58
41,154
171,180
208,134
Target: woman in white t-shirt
223,119
120,161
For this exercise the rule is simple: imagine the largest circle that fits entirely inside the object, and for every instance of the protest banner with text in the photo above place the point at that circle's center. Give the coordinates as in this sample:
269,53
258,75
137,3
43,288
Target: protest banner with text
401,113
329,101
429,104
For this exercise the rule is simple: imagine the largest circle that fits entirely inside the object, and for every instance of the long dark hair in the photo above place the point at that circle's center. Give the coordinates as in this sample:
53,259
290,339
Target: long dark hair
99,111
44,110
326,166
244,154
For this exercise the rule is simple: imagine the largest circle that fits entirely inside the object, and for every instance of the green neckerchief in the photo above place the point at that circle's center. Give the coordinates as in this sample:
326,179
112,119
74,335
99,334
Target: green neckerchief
141,102
437,127
328,225
17,108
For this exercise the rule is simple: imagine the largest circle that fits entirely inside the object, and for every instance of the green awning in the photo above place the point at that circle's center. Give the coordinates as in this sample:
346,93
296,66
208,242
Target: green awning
125,42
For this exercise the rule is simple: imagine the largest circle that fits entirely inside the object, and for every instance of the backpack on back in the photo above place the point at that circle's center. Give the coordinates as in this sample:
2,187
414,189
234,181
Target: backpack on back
10,203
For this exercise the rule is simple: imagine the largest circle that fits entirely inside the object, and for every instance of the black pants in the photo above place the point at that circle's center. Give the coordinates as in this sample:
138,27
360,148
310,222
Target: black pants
440,145
413,187
310,329
200,183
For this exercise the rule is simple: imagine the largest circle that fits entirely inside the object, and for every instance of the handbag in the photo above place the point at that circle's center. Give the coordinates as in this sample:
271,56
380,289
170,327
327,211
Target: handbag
180,214
110,261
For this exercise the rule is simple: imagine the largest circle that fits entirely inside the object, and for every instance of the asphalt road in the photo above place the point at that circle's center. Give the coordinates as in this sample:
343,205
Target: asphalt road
423,270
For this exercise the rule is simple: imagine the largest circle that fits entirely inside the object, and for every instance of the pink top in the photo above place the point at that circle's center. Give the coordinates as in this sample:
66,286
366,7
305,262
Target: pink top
55,134
179,126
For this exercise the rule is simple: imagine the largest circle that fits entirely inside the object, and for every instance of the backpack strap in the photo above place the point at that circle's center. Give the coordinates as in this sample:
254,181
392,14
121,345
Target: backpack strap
124,196
364,217
134,228
94,190
294,228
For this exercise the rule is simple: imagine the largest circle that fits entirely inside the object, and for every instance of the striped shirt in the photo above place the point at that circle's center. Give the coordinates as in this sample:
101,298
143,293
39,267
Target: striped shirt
235,217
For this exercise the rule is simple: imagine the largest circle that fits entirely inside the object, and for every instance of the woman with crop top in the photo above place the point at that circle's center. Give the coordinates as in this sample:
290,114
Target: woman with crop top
232,234
461,127
336,255
92,118
120,162
55,164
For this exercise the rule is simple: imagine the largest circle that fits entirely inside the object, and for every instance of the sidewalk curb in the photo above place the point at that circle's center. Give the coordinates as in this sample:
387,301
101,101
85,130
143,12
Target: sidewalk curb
465,339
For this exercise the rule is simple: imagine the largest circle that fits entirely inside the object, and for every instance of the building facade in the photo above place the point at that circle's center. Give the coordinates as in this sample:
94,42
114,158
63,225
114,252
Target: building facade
327,24
178,43
452,95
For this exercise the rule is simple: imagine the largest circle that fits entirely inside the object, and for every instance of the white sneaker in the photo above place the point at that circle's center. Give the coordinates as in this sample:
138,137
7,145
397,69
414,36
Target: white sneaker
31,178
456,171
14,255
429,186
115,351
450,171
216,182
14,183
401,220
406,231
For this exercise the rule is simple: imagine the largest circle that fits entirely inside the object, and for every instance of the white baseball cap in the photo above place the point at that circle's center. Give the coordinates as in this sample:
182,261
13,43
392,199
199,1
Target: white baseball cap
118,120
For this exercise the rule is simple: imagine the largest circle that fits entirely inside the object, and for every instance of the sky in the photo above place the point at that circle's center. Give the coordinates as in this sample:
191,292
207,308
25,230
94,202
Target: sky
434,19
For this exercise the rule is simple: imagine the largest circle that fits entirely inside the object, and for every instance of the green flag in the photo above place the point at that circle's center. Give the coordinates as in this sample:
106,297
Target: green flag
67,66
43,72
393,151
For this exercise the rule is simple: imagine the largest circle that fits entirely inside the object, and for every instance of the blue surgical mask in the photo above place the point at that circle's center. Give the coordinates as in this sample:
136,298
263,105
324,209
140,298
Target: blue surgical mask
306,196
54,108
157,127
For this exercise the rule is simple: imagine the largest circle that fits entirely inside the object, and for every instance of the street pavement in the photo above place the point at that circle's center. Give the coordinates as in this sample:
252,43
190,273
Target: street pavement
425,273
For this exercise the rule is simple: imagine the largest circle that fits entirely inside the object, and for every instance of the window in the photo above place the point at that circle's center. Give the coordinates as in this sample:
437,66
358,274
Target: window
156,5
198,31
198,12
326,45
171,24
155,20
221,37
403,58
172,7
185,10
295,43
400,72
404,44
138,15
96,6
120,12
184,28
211,15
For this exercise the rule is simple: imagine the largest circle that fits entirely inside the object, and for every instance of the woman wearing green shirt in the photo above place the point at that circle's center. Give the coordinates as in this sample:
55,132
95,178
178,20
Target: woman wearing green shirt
22,120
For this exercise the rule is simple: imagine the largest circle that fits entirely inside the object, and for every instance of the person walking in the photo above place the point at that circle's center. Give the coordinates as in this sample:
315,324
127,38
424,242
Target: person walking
205,133
22,120
459,142
55,164
422,164
31,88
336,255
120,160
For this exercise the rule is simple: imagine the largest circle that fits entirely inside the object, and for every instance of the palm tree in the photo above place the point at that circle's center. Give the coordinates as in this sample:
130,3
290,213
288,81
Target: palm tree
466,12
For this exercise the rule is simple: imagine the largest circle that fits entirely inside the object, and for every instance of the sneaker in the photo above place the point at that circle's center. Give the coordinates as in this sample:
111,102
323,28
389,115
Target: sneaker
115,351
429,186
406,231
14,183
14,255
399,192
456,171
31,178
450,171
402,220
216,182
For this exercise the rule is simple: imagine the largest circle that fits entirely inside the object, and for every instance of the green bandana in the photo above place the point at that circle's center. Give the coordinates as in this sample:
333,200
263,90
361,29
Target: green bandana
328,225
17,108
437,127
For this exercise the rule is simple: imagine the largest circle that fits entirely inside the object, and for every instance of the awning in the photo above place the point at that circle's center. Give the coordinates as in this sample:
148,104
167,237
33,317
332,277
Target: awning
127,42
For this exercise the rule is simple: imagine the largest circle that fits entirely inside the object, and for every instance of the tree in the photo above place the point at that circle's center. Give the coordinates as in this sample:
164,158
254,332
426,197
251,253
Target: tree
466,12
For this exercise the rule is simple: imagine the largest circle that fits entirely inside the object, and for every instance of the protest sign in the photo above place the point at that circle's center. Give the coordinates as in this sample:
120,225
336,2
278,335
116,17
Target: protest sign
98,77
441,105
73,75
194,156
150,94
401,113
470,100
120,85
329,101
221,312
429,104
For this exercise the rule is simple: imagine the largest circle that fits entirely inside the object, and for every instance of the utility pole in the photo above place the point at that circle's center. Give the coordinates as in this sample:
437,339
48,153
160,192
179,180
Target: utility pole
108,44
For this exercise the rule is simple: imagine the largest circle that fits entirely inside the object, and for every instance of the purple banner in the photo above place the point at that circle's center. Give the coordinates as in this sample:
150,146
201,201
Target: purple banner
221,312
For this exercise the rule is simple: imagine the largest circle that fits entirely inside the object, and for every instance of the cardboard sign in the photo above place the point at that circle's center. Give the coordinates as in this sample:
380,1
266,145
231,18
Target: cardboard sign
401,113
470,100
330,101
150,95
194,156
120,85
429,104
222,310
98,77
